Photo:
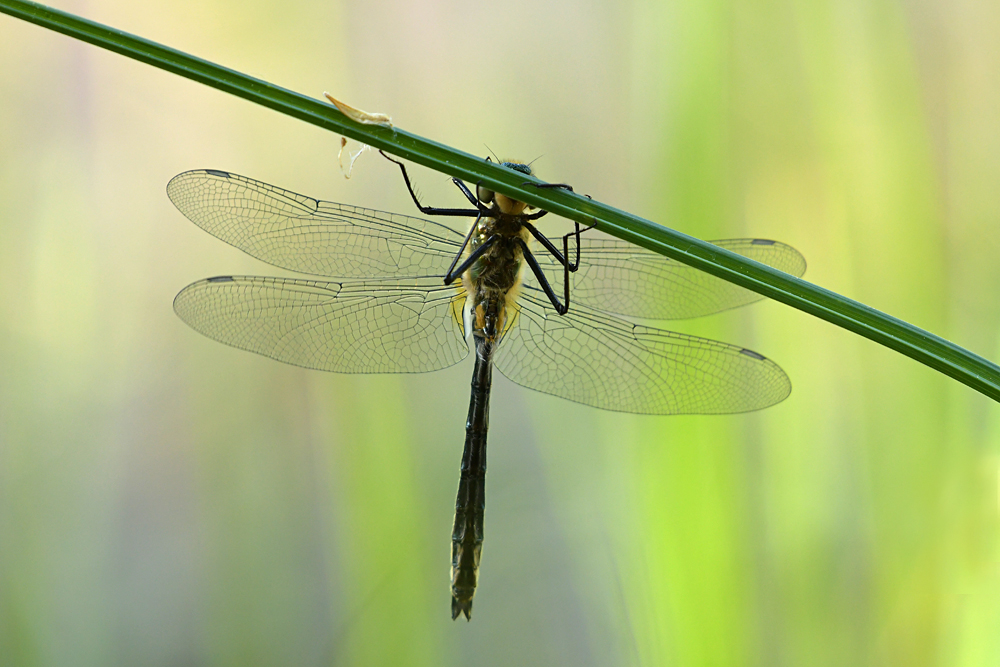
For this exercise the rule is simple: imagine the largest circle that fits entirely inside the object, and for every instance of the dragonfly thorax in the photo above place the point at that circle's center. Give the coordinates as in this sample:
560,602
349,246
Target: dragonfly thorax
509,207
492,280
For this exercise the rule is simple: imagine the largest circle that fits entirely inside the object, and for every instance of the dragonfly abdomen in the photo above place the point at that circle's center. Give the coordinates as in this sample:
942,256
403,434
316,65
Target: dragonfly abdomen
470,506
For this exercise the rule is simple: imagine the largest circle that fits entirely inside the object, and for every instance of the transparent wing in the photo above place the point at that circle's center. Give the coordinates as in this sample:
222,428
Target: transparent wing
308,235
618,277
603,361
352,327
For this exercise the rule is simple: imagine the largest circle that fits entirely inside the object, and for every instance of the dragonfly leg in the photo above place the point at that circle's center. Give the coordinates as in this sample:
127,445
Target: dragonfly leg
563,257
468,194
450,275
573,266
561,186
430,210
476,254
548,245
568,267
561,308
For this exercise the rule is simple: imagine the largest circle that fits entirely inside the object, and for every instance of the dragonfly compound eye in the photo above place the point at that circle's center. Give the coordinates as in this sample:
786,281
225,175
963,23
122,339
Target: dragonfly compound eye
485,196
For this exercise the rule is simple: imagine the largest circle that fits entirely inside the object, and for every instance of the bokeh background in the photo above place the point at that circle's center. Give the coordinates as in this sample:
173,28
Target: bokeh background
167,500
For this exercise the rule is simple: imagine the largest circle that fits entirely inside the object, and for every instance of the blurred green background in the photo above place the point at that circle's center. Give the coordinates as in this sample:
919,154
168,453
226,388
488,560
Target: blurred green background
167,500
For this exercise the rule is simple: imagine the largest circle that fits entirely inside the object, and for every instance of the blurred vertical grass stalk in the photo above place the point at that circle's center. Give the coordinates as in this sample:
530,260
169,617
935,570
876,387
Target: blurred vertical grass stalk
727,577
372,469
697,608
862,76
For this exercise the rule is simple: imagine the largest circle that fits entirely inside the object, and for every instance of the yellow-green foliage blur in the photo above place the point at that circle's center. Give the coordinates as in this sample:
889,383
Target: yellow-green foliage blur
167,500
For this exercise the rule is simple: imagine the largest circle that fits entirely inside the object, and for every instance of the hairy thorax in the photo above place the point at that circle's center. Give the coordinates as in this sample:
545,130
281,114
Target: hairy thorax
492,281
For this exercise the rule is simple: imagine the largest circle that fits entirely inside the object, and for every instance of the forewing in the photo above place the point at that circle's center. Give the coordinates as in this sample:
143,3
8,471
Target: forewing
620,277
350,327
603,361
308,235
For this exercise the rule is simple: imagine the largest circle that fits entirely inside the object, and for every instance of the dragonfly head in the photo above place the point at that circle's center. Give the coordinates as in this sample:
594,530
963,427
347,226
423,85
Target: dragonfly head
506,205
518,166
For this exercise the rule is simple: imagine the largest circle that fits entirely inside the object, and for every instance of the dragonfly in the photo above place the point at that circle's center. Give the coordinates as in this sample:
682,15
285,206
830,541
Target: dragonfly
391,293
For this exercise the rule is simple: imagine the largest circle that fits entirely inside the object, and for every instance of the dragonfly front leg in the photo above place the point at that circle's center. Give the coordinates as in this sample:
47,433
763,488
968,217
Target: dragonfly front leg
561,186
561,258
430,210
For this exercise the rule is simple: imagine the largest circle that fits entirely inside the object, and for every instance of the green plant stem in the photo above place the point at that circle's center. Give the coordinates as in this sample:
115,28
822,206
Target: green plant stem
948,358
